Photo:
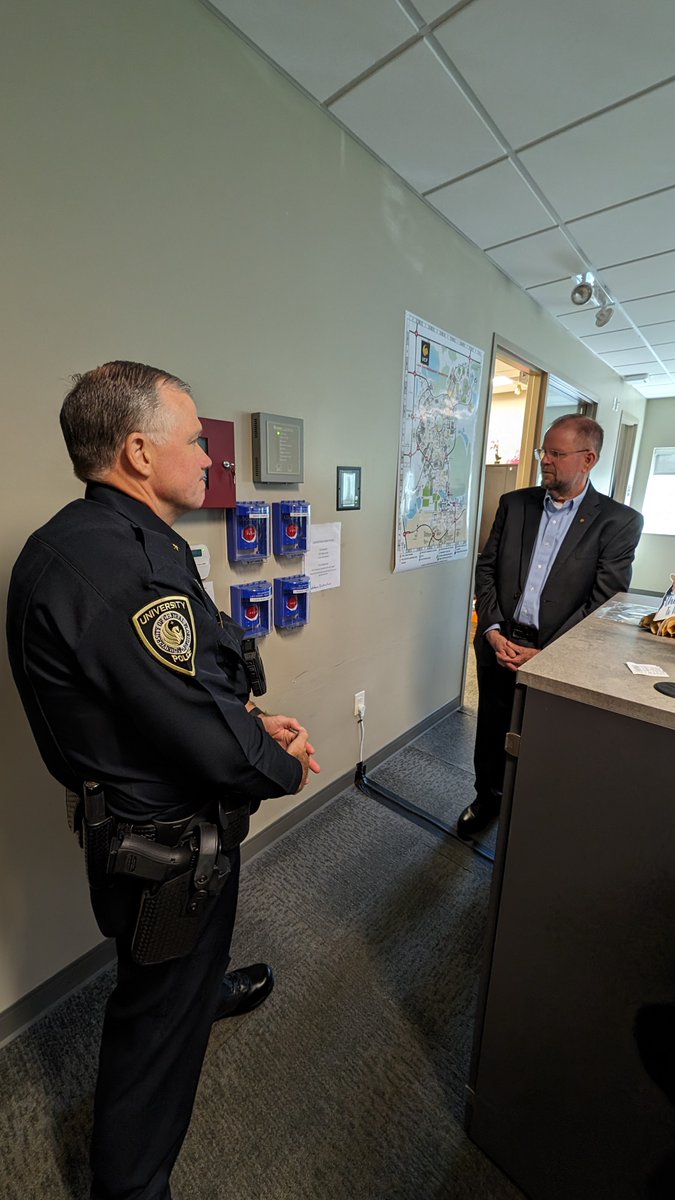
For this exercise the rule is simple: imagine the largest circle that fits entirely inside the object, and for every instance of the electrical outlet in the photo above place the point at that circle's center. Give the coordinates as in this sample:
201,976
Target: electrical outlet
359,702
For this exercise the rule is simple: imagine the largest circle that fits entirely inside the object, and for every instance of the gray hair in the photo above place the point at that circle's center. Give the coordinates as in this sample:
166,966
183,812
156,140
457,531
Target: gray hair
108,403
586,429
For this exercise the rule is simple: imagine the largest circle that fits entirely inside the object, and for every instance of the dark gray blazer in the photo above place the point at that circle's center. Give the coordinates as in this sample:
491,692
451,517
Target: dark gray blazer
593,563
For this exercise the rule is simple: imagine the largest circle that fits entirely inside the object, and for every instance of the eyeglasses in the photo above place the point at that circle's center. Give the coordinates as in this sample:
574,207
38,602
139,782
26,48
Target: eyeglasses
556,454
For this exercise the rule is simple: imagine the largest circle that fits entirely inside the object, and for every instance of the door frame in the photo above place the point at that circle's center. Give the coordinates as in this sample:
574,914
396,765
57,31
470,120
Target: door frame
532,434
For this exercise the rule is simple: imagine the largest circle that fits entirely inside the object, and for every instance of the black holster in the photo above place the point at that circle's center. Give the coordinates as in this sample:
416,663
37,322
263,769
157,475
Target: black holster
181,866
97,831
174,908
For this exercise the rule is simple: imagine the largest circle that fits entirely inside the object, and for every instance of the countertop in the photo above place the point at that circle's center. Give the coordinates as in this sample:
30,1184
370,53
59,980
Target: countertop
588,664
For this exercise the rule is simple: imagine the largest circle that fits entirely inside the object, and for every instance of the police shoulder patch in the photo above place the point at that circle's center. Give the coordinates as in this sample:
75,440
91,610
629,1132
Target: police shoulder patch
166,628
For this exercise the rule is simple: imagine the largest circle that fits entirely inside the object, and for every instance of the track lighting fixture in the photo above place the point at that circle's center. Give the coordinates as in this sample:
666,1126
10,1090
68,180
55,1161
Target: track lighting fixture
604,315
587,290
582,291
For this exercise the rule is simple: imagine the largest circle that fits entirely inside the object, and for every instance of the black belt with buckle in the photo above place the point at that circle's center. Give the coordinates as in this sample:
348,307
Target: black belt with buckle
522,635
233,826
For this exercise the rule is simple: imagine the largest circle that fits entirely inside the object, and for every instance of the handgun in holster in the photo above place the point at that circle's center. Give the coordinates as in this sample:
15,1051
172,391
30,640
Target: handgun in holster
183,880
183,865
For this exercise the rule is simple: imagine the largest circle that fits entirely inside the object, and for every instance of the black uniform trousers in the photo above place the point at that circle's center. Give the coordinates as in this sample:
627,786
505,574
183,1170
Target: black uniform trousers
496,688
155,1033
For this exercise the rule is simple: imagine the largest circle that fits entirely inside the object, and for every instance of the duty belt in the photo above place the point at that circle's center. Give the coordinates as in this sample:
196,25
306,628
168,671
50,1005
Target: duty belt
181,864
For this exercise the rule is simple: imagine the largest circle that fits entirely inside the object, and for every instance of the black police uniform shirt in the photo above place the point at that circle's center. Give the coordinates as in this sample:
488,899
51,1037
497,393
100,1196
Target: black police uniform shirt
128,673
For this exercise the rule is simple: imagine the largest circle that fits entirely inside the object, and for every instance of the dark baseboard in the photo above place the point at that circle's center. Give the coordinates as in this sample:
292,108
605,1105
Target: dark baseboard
37,1003
19,1016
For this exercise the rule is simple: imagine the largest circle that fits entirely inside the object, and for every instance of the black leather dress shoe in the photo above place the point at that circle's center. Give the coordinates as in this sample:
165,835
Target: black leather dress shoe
244,990
476,816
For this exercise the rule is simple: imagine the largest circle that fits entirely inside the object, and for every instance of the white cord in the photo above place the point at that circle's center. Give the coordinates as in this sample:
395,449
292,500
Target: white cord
362,731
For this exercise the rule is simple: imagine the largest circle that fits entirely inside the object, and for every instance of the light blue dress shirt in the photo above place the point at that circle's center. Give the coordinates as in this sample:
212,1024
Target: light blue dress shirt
556,519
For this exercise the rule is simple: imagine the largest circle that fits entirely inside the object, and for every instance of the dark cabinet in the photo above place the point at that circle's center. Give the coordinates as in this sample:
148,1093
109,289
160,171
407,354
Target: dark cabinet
499,478
572,1088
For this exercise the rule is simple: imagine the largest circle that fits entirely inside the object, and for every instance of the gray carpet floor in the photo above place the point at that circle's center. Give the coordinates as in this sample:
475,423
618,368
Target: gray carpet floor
348,1084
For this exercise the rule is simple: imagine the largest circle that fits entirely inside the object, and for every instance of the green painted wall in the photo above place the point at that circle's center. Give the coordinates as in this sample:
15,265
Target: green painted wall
169,197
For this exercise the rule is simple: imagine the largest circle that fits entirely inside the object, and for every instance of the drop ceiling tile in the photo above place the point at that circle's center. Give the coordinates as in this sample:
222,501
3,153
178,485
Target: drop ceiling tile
416,119
659,332
655,391
609,159
430,9
647,277
634,230
649,365
538,259
581,322
627,358
555,297
541,64
651,309
615,339
665,350
470,205
320,43
659,377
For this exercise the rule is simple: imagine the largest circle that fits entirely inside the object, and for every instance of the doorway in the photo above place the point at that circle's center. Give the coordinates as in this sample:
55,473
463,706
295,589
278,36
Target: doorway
524,401
510,442
620,489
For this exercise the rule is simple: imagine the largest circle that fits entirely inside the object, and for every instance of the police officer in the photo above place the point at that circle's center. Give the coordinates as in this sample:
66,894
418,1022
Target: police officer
131,679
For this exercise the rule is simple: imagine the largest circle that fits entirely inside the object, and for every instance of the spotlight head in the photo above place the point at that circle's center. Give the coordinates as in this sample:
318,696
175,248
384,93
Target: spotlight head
604,315
582,291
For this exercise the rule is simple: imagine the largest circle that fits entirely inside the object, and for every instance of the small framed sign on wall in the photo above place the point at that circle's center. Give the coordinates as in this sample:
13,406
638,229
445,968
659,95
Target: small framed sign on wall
348,487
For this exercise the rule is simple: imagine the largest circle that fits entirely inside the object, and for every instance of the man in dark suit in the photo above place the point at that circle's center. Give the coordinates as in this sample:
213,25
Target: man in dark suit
554,555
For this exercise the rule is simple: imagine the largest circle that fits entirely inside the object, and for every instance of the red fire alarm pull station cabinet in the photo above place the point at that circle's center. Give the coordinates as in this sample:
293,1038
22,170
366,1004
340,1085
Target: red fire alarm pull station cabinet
218,441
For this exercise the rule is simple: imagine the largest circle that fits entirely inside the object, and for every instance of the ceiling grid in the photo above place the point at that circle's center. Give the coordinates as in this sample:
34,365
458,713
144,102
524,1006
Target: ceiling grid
548,138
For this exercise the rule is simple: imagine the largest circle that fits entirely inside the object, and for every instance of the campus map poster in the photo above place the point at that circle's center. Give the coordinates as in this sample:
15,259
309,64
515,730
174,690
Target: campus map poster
441,387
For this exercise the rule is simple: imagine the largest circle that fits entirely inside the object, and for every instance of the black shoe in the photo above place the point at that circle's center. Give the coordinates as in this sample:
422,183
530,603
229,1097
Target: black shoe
477,816
244,990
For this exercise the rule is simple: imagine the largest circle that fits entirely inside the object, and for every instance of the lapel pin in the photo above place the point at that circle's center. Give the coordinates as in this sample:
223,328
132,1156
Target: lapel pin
176,548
